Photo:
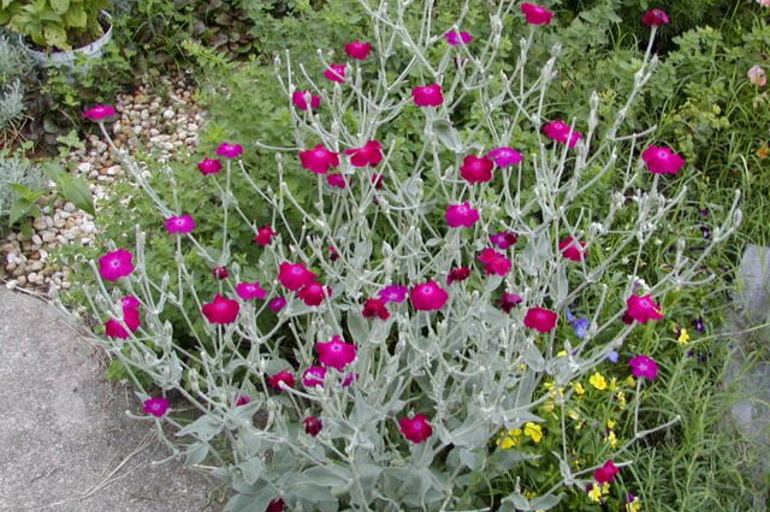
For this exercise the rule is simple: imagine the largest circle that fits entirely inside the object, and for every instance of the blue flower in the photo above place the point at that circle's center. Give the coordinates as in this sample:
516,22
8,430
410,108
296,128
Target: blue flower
613,357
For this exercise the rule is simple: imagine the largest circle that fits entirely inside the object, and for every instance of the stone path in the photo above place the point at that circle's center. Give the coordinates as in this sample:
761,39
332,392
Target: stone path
66,444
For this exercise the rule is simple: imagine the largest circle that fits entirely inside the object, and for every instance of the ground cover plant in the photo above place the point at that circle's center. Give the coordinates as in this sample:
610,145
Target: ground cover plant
480,205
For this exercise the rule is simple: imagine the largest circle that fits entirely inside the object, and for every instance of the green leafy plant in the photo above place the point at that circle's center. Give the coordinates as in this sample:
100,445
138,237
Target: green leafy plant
54,24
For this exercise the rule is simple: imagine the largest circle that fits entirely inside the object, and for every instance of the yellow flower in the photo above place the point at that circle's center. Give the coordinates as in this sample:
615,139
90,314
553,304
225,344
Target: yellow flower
634,506
613,384
548,406
561,353
507,440
684,337
578,389
595,494
598,381
572,413
630,382
612,440
548,385
621,399
610,424
533,431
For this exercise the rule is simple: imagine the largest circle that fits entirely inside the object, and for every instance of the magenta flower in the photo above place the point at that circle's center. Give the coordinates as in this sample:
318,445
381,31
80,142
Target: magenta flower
299,101
358,50
428,95
220,272
661,160
228,150
540,319
375,308
393,293
572,249
276,505
250,291
476,169
179,224
369,154
508,301
313,425
98,113
333,254
116,264
415,429
264,236
335,73
377,180
349,379
221,310
242,400
284,376
455,38
504,156
461,215
294,276
606,473
643,367
336,180
504,239
276,304
313,294
129,302
536,14
114,329
156,406
209,166
428,296
494,263
313,376
458,274
335,353
561,132
319,159
655,18
642,309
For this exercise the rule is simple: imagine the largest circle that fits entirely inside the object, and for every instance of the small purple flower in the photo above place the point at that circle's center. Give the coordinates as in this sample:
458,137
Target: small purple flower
706,232
613,357
228,150
156,406
455,38
580,326
698,325
393,293
276,304
504,156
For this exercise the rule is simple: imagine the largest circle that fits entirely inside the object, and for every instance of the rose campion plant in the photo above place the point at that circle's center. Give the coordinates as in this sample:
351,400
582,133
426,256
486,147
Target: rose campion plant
380,370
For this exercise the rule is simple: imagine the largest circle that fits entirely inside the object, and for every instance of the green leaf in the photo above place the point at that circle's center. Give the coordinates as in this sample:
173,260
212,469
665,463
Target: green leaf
23,204
60,6
76,18
72,188
56,36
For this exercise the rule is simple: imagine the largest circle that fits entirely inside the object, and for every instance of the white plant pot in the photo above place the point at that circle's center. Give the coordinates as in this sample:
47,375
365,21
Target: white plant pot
67,59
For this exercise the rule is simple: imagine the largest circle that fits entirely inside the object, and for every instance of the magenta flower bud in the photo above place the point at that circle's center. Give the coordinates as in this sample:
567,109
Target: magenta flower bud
264,236
572,249
536,14
428,95
476,169
369,154
313,425
335,353
428,296
228,150
540,319
606,473
662,160
313,294
250,291
129,302
494,263
242,400
318,159
461,215
221,310
313,376
276,304
220,273
375,308
209,166
284,376
156,406
377,180
299,101
335,73
504,239
642,309
393,293
349,379
294,276
562,133
336,180
643,367
655,18
415,429
508,301
333,254
276,505
455,38
98,113
458,274
504,156
179,224
116,264
358,50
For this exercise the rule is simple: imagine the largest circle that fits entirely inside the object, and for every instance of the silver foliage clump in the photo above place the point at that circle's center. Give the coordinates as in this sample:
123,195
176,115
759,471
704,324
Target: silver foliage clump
16,171
13,67
470,367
